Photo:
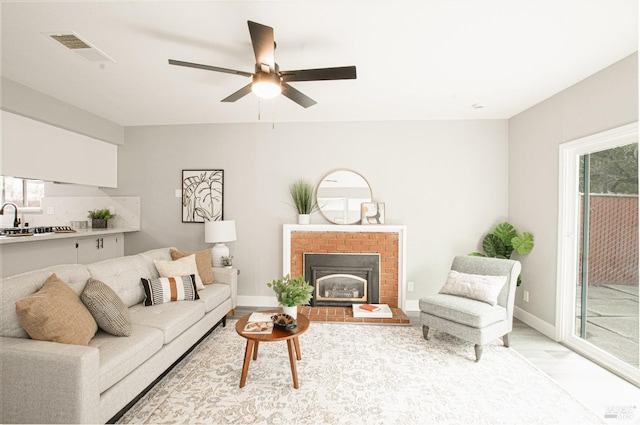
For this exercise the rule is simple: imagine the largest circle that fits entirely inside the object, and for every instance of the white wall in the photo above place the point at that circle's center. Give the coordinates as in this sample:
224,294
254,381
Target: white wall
445,180
605,100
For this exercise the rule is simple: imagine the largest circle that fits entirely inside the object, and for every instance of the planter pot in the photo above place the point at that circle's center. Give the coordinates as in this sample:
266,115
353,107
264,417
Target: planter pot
291,311
98,223
304,218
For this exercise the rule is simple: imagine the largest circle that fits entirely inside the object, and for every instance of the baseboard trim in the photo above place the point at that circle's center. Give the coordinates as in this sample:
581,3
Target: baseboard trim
535,322
411,305
255,301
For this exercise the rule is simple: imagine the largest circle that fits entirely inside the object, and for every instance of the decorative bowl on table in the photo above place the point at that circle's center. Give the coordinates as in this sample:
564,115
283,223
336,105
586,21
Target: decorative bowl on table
284,321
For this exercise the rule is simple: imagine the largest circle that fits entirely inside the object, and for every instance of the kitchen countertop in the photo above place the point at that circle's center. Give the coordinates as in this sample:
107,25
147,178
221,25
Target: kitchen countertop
80,233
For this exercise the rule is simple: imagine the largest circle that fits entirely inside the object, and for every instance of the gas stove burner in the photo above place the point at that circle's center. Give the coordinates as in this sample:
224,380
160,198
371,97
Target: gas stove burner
35,230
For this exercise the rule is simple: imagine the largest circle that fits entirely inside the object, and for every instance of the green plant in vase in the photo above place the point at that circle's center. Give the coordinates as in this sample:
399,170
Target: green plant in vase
303,201
291,292
99,217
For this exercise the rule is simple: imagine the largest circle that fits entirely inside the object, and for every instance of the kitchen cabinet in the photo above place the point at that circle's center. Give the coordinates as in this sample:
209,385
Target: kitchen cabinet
100,248
33,254
23,257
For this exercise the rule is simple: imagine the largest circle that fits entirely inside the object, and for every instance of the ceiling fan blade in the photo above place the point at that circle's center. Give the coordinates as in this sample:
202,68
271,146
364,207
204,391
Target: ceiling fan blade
239,94
297,96
209,68
263,45
338,73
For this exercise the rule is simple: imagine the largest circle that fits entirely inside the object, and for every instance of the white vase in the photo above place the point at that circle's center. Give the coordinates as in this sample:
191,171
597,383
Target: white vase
291,311
304,218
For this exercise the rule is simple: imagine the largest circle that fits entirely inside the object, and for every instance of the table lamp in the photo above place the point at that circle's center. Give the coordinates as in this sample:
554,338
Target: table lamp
219,232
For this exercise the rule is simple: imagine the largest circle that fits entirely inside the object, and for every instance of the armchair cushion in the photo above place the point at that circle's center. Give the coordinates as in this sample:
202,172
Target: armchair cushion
463,310
477,287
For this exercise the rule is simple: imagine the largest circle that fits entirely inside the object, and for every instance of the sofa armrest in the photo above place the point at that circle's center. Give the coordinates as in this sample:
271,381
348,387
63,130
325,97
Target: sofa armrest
228,276
48,382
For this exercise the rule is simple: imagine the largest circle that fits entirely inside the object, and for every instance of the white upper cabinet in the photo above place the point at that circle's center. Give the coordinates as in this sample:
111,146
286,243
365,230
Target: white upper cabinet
35,150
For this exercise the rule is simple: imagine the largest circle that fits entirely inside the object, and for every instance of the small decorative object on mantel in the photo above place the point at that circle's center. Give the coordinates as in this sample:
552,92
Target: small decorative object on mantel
303,200
99,218
372,213
291,292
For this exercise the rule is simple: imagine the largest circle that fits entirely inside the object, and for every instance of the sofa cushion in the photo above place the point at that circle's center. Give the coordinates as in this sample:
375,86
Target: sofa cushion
55,313
483,288
106,308
166,289
213,295
476,314
203,261
184,266
25,284
171,318
123,276
119,356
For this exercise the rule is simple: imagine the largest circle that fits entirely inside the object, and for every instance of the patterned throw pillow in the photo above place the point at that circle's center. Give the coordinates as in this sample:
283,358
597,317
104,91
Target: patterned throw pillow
184,266
203,262
55,313
167,289
474,286
107,308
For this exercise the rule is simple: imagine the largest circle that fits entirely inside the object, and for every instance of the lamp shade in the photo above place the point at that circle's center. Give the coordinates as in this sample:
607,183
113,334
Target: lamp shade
220,231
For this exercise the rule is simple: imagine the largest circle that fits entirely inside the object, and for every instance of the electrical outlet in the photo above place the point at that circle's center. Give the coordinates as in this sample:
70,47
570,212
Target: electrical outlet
410,286
112,209
51,210
178,193
525,296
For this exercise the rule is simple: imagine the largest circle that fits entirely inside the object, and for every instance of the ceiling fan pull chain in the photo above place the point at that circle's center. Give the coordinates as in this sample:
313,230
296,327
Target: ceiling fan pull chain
273,118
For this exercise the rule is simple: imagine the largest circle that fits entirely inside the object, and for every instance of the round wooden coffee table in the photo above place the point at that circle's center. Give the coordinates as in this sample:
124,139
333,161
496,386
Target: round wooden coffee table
253,340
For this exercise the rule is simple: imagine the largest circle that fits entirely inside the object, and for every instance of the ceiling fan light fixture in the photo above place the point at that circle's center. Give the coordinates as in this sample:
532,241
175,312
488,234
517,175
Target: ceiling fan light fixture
265,85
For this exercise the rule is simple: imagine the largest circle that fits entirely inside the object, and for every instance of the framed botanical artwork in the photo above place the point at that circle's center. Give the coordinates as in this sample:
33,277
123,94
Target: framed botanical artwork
202,198
372,212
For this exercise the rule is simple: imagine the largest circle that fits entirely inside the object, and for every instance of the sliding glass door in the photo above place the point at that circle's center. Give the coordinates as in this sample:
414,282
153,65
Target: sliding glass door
598,265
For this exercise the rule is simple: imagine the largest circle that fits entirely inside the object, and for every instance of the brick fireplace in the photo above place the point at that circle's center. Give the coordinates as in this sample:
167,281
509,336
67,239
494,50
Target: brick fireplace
387,241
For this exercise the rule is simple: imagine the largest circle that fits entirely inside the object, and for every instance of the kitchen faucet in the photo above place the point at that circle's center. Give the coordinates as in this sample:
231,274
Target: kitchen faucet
16,220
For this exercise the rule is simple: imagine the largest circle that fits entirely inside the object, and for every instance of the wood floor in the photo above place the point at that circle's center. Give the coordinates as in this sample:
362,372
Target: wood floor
611,398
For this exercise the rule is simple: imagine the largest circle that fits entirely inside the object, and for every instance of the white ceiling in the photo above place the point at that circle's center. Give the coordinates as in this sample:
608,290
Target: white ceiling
416,60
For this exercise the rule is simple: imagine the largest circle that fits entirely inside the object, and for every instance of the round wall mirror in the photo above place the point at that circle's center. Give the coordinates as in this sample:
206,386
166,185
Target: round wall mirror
340,194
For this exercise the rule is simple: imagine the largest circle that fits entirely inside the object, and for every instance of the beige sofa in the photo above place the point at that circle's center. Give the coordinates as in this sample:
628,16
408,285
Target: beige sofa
49,382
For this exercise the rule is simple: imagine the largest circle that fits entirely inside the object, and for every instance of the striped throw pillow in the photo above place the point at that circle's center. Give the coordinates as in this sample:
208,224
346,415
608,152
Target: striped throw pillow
166,289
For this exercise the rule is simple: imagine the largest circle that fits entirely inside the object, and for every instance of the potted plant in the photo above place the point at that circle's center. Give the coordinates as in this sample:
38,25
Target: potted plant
99,218
503,241
302,195
291,292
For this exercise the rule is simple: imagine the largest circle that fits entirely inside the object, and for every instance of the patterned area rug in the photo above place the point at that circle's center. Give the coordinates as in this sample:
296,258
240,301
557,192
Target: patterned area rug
354,374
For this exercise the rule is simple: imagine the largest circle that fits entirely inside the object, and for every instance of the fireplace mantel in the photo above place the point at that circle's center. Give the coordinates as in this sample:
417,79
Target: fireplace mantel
401,231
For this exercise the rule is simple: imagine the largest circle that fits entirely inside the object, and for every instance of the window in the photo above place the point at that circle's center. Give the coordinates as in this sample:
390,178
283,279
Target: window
22,192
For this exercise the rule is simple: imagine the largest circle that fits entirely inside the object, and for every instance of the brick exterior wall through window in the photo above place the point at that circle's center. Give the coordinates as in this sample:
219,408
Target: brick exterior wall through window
613,239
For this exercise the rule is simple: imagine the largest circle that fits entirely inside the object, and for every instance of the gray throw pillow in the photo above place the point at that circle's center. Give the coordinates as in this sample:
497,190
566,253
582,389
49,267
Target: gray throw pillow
107,308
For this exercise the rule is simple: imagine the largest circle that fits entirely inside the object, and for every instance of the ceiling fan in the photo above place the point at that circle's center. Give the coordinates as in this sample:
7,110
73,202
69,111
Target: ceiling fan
267,80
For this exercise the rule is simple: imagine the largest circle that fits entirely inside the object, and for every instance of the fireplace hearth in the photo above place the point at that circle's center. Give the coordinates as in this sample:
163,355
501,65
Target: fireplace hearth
343,279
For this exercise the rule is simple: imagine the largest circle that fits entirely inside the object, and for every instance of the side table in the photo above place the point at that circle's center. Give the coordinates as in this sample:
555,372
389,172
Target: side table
253,340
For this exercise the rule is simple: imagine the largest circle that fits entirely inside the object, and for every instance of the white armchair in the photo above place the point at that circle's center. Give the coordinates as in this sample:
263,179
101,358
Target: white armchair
467,318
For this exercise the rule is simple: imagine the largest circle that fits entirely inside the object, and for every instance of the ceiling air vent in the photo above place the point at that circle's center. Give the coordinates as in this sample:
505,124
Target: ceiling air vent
80,47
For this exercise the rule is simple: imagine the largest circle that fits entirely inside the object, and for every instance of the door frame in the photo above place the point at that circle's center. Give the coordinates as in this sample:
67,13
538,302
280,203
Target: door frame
568,244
